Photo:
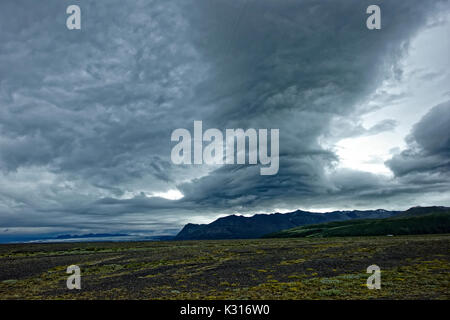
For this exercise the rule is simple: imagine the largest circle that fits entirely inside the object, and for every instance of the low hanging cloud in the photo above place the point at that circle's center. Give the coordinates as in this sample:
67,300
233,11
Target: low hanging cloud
428,145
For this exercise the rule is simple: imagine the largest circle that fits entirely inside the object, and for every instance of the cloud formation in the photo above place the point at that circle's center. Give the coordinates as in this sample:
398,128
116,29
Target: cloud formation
86,116
428,145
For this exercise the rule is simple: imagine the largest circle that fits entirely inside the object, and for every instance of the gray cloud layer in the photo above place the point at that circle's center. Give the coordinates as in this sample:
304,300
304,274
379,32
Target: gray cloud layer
86,116
428,145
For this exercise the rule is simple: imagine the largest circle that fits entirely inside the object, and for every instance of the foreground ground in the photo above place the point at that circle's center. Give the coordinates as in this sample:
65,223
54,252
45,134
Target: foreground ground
412,267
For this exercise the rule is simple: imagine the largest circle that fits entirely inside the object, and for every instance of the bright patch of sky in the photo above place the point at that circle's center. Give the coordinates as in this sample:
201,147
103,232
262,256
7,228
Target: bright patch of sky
172,194
424,83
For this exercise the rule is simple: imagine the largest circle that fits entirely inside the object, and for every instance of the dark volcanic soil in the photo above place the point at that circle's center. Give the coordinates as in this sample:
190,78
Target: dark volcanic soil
413,267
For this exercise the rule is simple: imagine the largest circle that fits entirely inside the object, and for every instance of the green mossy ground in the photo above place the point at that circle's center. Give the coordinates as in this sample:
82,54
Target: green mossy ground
412,267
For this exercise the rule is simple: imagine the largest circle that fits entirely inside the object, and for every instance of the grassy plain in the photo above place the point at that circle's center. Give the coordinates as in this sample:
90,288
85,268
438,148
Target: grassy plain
412,267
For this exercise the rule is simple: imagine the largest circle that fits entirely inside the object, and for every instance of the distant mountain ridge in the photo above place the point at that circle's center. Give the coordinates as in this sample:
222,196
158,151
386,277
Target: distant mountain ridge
412,221
240,227
418,211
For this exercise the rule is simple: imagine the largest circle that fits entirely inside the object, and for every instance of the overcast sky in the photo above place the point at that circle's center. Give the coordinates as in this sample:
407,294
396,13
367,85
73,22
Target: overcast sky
86,115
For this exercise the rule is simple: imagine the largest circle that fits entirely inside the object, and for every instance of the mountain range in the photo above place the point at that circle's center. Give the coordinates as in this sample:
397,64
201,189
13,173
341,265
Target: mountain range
240,227
412,221
259,225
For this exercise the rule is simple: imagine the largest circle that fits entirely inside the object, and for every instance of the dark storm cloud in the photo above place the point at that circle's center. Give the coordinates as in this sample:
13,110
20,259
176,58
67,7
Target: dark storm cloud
282,68
86,116
92,103
428,145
